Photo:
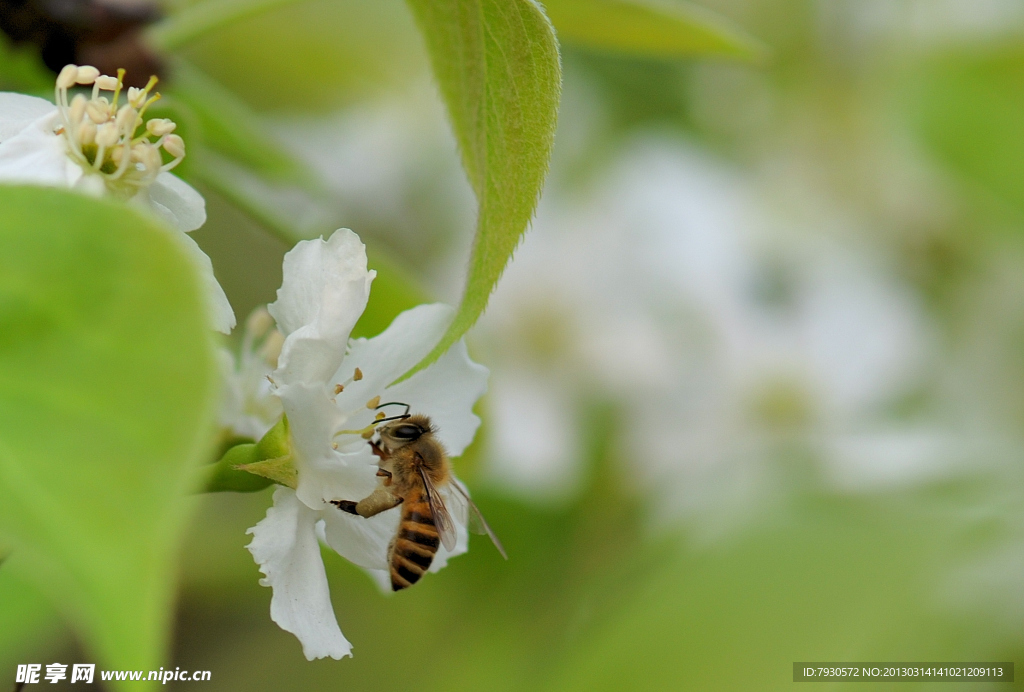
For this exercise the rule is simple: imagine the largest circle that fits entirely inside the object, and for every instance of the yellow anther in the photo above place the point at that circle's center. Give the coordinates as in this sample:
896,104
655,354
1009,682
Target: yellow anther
126,117
107,135
87,132
367,435
66,78
358,375
106,83
77,110
380,416
271,349
260,322
158,127
373,403
175,146
97,111
148,155
339,388
87,74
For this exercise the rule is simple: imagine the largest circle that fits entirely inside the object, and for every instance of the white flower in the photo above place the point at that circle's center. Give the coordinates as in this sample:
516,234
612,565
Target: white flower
325,383
92,145
249,407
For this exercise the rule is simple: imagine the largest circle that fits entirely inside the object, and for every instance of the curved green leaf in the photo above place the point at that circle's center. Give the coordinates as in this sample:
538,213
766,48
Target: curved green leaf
108,388
498,68
650,28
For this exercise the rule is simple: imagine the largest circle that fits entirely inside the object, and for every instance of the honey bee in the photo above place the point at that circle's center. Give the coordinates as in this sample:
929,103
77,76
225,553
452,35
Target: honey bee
416,474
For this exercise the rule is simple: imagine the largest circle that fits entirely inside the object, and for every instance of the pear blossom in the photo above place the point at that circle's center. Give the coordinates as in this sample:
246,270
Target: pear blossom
328,387
249,407
93,144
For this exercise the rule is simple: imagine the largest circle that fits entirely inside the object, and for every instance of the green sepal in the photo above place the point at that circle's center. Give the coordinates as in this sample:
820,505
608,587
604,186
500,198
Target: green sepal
248,468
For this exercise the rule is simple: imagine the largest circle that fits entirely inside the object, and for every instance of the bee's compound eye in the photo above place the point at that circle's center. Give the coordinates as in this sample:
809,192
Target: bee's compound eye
406,432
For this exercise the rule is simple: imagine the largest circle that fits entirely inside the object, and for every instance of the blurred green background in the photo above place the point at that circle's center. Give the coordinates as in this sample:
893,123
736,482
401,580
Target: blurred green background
757,370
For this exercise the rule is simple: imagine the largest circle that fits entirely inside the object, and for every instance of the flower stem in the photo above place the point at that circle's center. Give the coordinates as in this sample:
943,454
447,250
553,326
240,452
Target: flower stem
193,22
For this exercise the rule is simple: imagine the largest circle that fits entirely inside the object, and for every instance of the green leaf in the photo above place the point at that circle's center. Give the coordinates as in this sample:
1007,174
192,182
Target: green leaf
28,622
498,68
108,391
654,28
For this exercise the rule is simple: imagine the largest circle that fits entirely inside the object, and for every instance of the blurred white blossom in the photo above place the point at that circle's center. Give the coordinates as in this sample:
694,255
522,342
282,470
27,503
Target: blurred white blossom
718,325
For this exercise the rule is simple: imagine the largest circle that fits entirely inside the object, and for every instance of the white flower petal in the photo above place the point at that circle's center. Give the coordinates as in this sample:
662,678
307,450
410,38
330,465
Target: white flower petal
285,547
324,474
446,391
36,155
392,353
361,541
220,309
248,406
18,111
325,289
177,202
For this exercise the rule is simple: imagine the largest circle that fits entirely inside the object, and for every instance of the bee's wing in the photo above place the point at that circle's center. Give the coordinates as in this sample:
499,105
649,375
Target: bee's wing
467,512
442,519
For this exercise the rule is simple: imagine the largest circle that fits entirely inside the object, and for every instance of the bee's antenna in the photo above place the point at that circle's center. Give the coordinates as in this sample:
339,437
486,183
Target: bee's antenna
395,403
385,420
369,430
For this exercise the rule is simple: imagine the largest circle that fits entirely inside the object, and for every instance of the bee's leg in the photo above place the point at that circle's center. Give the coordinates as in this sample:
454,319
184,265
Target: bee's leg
386,475
345,506
376,502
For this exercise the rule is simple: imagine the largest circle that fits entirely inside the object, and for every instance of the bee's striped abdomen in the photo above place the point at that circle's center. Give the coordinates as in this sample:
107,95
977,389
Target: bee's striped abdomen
415,543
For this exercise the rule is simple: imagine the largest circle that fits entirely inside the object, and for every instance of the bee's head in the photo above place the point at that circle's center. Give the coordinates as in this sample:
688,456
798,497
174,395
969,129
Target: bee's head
405,431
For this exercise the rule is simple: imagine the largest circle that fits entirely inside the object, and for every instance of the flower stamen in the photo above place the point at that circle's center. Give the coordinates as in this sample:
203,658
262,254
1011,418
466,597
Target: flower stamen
102,133
356,376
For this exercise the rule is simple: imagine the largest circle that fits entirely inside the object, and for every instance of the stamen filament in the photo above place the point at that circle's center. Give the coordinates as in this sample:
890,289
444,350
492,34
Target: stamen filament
120,83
